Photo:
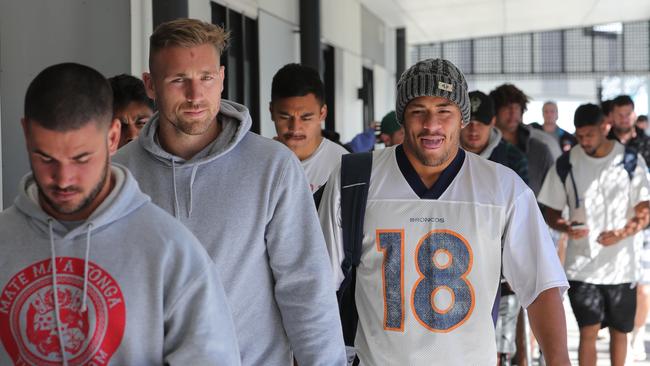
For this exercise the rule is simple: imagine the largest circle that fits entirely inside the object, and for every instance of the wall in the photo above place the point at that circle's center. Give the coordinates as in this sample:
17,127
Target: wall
279,44
349,108
341,28
38,33
200,9
141,29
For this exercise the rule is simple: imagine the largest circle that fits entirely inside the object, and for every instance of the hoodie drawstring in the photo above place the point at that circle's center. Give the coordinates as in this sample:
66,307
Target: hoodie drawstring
176,204
175,192
194,169
55,290
85,291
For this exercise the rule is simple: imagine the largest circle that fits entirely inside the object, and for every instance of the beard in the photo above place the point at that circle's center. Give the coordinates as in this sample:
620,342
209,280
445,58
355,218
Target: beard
87,201
622,129
193,127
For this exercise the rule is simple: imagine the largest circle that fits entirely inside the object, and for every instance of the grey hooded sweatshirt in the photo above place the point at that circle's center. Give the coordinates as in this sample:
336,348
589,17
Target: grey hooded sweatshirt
131,286
493,142
246,199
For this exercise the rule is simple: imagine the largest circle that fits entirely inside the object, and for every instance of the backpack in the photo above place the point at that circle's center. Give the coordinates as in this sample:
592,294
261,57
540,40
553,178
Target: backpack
563,168
355,178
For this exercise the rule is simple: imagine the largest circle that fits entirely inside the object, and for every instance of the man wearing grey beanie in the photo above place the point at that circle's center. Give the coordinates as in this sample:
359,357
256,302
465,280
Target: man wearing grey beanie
439,225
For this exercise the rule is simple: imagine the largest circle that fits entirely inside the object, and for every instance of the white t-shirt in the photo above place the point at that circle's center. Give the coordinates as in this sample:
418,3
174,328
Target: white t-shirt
606,198
321,163
430,268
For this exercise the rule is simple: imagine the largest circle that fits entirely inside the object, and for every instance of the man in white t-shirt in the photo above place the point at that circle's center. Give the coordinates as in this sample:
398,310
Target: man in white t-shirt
605,187
298,109
438,225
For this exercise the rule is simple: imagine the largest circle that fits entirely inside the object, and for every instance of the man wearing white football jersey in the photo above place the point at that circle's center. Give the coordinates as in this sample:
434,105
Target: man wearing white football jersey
439,224
298,109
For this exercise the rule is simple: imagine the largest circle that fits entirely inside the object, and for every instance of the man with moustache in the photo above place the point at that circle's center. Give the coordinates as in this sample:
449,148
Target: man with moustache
438,224
245,197
298,110
540,149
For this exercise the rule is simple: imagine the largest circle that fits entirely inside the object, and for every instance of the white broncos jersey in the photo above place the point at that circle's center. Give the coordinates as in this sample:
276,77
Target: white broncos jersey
321,163
430,268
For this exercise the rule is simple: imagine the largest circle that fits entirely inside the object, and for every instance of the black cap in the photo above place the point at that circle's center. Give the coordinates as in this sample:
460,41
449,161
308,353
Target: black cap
587,115
482,107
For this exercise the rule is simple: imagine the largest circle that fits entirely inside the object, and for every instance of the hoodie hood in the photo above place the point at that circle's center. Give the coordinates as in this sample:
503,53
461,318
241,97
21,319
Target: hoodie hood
235,123
493,141
125,198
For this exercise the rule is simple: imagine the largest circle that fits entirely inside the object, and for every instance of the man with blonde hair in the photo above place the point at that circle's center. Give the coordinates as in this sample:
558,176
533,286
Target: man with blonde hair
245,198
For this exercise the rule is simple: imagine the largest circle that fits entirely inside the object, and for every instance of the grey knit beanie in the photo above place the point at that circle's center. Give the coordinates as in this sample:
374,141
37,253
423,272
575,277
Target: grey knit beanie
435,78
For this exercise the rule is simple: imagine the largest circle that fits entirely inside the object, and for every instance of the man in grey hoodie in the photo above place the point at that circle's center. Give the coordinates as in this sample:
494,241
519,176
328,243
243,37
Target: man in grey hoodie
146,293
245,197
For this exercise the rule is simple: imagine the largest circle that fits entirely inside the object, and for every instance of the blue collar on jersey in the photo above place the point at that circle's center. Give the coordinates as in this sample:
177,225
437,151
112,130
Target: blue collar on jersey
413,179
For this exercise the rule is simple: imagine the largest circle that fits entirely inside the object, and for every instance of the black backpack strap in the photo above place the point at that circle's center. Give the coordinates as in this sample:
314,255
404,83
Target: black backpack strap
318,195
564,169
355,178
563,166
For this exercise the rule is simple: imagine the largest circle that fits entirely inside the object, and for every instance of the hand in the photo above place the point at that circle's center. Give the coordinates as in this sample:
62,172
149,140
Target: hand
610,237
577,233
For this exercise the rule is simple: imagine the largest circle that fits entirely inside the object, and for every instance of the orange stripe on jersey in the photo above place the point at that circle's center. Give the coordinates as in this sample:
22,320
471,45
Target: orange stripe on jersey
383,275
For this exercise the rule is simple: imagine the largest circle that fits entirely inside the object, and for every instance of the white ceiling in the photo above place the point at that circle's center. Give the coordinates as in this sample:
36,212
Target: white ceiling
437,20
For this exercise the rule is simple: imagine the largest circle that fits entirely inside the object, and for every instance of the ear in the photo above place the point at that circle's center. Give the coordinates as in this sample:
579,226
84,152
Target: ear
384,138
605,127
25,124
271,110
113,136
493,121
222,75
148,85
323,112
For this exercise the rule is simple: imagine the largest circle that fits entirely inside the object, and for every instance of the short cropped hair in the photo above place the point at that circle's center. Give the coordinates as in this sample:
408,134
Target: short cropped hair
622,100
187,32
507,94
67,96
588,115
294,80
642,118
606,106
128,89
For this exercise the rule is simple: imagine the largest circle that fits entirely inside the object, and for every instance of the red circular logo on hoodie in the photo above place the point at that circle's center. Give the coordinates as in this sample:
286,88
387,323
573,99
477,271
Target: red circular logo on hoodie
30,330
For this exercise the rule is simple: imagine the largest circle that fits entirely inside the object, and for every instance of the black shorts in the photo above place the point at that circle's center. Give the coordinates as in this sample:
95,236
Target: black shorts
611,305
